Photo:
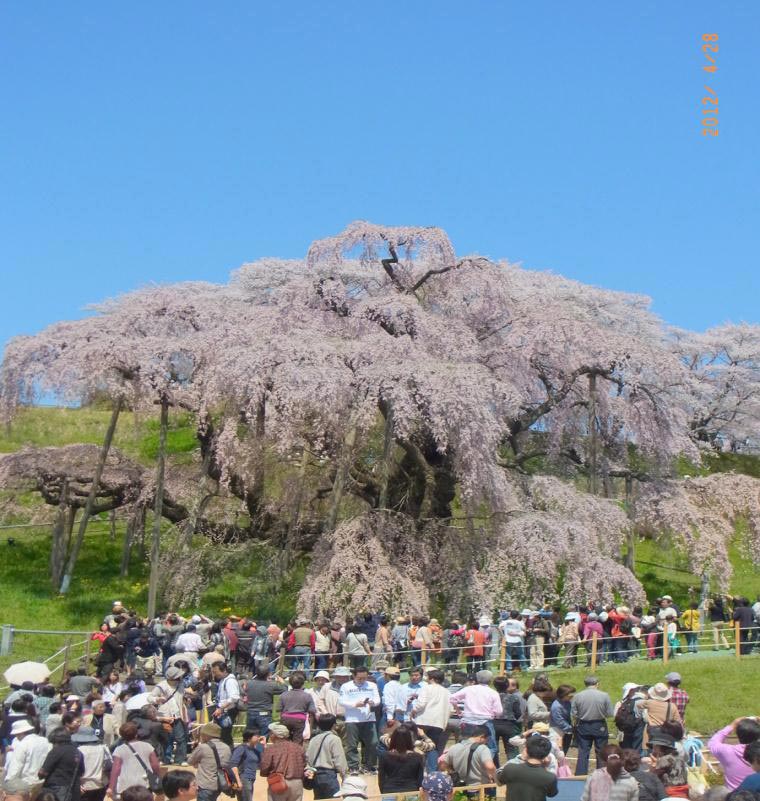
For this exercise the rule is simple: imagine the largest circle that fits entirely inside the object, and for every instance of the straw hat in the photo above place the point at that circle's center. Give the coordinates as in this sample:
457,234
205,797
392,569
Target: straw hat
660,692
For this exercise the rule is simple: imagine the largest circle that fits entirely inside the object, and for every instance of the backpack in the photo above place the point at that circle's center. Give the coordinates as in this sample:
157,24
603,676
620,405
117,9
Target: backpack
625,718
625,626
457,639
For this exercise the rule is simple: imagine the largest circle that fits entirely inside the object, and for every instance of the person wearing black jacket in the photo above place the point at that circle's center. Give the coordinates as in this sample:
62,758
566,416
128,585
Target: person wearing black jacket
111,651
62,767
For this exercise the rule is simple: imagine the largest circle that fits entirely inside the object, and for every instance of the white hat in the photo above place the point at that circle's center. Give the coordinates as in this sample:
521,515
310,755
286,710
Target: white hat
352,785
21,727
195,619
73,697
484,621
667,597
660,692
322,674
631,685
526,613
341,670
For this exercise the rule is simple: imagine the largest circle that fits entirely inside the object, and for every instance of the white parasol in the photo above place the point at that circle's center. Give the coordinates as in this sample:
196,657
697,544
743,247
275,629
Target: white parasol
36,672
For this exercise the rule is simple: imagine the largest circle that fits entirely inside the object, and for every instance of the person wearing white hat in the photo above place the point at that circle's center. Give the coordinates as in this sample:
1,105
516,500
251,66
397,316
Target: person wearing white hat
353,787
657,708
328,702
24,758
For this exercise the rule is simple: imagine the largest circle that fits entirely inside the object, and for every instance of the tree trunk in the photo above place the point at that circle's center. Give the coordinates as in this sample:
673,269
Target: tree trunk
58,544
112,527
593,438
295,514
155,546
630,554
388,443
77,546
135,524
341,476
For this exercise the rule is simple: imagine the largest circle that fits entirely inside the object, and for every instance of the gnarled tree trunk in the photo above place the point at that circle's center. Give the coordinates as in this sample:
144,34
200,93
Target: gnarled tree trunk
77,546
155,547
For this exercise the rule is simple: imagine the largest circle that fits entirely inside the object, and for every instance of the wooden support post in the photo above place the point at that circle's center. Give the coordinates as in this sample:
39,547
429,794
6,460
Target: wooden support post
423,656
738,633
66,655
281,663
503,657
594,647
665,648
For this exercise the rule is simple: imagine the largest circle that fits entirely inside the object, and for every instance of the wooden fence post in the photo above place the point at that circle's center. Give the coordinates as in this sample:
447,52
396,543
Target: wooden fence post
594,646
87,646
738,632
665,647
503,657
281,663
66,655
423,656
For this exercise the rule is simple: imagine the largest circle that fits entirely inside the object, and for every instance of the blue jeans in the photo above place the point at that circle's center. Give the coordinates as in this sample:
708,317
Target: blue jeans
515,656
301,659
258,721
178,738
588,733
691,641
207,795
321,661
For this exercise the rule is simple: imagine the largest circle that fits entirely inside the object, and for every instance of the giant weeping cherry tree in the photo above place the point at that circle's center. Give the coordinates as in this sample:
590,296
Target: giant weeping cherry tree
432,429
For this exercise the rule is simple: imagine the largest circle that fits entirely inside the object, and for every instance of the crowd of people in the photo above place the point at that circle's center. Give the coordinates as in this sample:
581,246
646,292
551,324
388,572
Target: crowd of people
323,706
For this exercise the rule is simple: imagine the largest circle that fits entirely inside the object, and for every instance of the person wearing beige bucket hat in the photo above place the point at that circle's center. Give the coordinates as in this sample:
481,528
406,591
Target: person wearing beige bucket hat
656,709
207,758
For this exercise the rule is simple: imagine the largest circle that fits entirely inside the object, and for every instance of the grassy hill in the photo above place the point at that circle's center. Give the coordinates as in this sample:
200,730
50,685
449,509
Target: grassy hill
27,602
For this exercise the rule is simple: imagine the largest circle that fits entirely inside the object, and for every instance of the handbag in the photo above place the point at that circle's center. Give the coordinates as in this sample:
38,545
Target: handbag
225,779
277,784
154,780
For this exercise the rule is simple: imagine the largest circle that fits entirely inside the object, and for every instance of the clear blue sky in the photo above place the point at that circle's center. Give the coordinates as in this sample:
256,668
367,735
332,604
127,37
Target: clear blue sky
153,142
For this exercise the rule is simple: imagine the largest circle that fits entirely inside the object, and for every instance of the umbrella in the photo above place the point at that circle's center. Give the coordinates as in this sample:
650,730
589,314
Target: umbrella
139,701
36,672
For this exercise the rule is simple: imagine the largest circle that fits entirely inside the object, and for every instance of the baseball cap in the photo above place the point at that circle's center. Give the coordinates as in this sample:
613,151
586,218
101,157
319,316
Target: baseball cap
673,677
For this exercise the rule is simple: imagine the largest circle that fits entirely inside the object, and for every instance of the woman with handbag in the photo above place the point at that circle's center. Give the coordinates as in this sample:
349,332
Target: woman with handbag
134,763
283,763
211,759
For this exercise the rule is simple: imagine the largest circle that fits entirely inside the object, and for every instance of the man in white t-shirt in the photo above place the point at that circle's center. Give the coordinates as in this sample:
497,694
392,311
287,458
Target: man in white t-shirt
514,635
359,698
24,758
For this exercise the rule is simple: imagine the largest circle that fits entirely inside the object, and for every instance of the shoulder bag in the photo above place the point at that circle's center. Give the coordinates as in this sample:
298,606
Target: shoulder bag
310,771
225,778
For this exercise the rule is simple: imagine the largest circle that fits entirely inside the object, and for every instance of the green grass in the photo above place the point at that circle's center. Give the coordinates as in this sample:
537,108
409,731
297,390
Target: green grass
717,685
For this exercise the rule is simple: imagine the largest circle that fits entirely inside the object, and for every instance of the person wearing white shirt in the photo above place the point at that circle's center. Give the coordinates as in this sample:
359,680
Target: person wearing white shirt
431,711
189,643
359,698
514,635
27,753
227,697
394,695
